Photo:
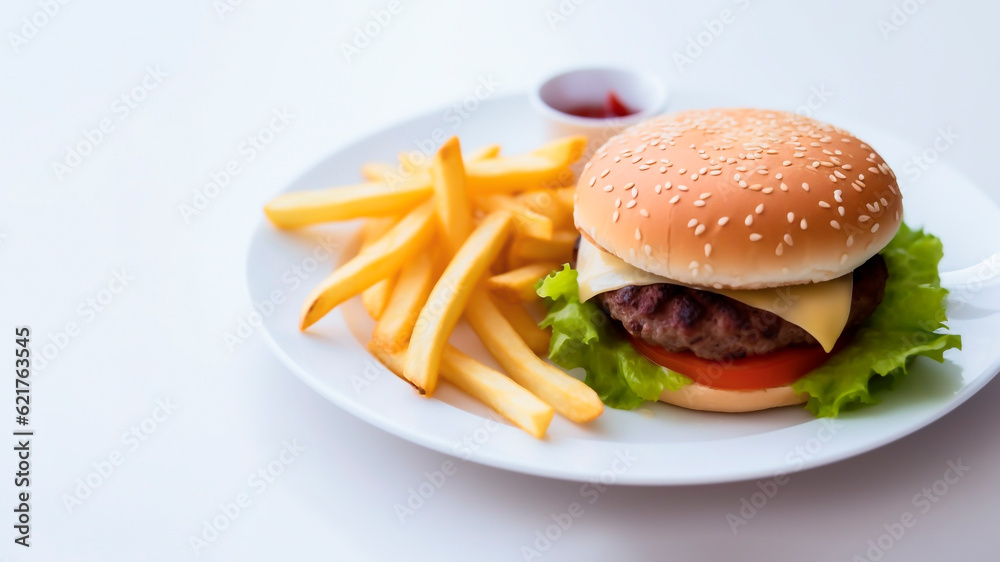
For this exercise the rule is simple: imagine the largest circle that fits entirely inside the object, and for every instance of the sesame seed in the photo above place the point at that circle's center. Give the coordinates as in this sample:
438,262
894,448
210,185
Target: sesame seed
884,202
755,237
715,173
782,186
693,265
644,213
743,184
723,221
667,185
699,230
748,221
705,195
874,228
675,199
694,176
638,235
593,180
629,185
837,195
788,239
778,176
779,249
682,187
835,224
643,168
863,218
692,223
826,164
605,173
630,204
663,169
636,159
805,186
815,164
759,209
802,224
682,171
841,210
847,167
703,171
635,192
850,241
768,189
658,188
856,187
786,163
843,259
614,217
699,203
608,187
648,249
708,250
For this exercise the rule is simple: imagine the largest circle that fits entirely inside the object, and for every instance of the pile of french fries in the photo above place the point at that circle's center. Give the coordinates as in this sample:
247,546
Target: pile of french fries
461,237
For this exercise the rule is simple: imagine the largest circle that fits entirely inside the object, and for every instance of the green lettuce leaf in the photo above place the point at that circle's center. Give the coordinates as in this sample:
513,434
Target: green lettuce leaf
903,327
584,337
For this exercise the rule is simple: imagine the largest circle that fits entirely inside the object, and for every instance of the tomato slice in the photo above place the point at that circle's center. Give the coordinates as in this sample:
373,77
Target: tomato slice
755,372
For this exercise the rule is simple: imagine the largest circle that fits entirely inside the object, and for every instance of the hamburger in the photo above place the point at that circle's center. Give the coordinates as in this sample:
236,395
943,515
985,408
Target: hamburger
742,259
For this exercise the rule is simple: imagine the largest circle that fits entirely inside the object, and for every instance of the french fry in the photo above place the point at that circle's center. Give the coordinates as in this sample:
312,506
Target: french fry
545,168
451,196
393,329
485,153
449,296
374,298
566,197
380,260
519,284
524,251
521,320
376,171
546,203
569,396
526,221
506,397
372,199
566,149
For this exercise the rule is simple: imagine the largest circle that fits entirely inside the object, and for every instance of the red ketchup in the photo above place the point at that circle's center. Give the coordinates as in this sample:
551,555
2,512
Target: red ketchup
612,107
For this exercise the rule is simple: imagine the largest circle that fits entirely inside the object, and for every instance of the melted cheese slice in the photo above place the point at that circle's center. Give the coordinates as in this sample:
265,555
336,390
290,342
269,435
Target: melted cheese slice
818,308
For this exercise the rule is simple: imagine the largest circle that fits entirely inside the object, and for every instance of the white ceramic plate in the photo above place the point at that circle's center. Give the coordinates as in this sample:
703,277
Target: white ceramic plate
657,444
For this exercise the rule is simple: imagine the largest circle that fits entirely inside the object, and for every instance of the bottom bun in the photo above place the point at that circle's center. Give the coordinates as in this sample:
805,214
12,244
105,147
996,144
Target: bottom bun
698,397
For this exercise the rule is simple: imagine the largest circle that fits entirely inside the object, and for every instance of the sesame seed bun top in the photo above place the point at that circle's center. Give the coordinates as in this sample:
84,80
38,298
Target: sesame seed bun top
739,198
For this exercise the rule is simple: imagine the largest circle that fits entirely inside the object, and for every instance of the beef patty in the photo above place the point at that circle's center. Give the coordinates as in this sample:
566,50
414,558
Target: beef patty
717,327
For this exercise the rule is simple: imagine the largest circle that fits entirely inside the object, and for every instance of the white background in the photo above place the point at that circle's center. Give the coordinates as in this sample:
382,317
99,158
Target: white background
161,338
